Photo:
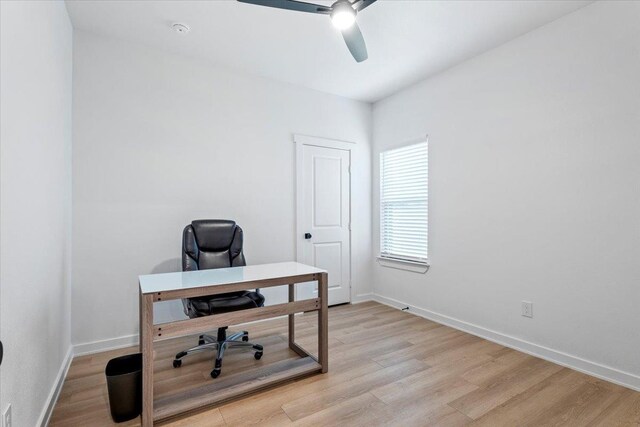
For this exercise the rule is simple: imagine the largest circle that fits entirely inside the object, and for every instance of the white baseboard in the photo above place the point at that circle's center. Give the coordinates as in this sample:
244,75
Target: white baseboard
45,416
105,345
607,373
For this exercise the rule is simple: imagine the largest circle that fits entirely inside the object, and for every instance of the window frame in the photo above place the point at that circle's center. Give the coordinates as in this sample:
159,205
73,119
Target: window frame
389,260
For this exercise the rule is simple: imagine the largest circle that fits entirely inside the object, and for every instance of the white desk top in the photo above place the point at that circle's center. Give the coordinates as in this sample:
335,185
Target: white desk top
151,283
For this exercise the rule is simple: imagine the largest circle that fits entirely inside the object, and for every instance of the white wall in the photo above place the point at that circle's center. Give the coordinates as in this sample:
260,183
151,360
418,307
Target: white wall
534,189
160,140
35,202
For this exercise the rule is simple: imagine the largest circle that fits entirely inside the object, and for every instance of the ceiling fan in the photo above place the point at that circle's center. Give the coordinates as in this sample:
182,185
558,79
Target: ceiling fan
343,15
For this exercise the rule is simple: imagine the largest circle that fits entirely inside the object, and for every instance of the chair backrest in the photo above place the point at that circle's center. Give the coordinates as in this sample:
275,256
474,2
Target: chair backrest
212,243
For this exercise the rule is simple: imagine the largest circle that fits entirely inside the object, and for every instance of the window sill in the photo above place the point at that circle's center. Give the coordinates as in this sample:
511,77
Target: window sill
416,267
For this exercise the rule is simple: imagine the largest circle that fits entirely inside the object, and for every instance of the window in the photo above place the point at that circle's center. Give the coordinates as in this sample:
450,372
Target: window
404,203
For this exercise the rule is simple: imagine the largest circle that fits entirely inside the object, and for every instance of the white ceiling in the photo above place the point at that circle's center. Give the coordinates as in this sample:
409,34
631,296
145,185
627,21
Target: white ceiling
407,40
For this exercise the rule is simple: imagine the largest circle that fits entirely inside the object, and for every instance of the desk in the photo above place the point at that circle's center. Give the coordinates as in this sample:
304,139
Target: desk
169,286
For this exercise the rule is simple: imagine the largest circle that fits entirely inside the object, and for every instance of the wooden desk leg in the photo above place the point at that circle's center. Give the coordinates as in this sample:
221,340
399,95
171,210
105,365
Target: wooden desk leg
323,322
292,319
146,347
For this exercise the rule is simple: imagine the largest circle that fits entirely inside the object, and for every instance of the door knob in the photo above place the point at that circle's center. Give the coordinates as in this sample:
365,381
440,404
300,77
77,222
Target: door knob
307,236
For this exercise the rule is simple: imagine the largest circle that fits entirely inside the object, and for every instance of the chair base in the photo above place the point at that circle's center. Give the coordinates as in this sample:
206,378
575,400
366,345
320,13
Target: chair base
220,344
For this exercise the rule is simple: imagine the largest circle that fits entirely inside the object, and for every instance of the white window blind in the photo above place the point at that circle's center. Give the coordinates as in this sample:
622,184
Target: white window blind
404,203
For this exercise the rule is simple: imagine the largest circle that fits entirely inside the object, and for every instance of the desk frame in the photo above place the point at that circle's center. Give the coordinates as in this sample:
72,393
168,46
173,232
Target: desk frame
150,333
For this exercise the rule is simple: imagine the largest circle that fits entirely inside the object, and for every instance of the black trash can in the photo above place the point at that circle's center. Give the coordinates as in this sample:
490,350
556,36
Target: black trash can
124,382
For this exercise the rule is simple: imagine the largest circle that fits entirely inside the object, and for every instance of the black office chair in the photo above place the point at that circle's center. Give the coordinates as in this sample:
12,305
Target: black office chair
216,243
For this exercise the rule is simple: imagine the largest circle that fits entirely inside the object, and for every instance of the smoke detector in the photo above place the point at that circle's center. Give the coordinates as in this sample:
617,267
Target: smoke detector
180,28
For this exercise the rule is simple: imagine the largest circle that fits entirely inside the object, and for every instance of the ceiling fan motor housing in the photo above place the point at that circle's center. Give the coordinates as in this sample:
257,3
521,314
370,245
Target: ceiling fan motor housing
343,15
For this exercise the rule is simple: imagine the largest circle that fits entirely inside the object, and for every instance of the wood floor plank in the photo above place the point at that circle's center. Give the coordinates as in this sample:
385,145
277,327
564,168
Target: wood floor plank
425,349
211,418
625,411
457,351
276,418
500,389
578,408
307,405
420,413
387,368
269,403
495,366
425,383
565,398
355,411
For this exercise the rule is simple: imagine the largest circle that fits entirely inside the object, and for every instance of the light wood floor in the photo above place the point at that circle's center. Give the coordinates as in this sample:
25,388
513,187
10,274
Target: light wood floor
387,368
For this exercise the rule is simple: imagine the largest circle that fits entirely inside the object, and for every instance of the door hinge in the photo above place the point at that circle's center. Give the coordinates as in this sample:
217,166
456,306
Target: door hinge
349,226
349,168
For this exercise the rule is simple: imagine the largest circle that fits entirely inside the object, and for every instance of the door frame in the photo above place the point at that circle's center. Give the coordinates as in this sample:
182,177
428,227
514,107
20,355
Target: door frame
301,141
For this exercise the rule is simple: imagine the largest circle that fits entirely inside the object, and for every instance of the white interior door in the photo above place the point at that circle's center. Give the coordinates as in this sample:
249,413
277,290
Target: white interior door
323,191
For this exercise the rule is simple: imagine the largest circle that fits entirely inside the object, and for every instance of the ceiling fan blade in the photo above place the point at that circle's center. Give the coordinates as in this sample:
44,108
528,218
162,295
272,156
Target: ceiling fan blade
291,5
355,42
359,5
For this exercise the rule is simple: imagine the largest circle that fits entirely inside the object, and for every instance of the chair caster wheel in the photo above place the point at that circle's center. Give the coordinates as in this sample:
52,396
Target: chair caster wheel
257,355
245,337
177,363
215,373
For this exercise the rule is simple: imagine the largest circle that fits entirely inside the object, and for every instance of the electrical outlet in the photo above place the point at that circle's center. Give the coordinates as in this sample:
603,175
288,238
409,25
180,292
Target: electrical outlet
6,417
527,309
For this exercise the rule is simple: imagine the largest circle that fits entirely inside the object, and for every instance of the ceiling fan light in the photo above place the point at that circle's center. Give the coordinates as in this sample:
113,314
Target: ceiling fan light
343,16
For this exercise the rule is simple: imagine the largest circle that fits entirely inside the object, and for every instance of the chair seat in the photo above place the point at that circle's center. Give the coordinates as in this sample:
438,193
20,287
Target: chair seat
224,303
